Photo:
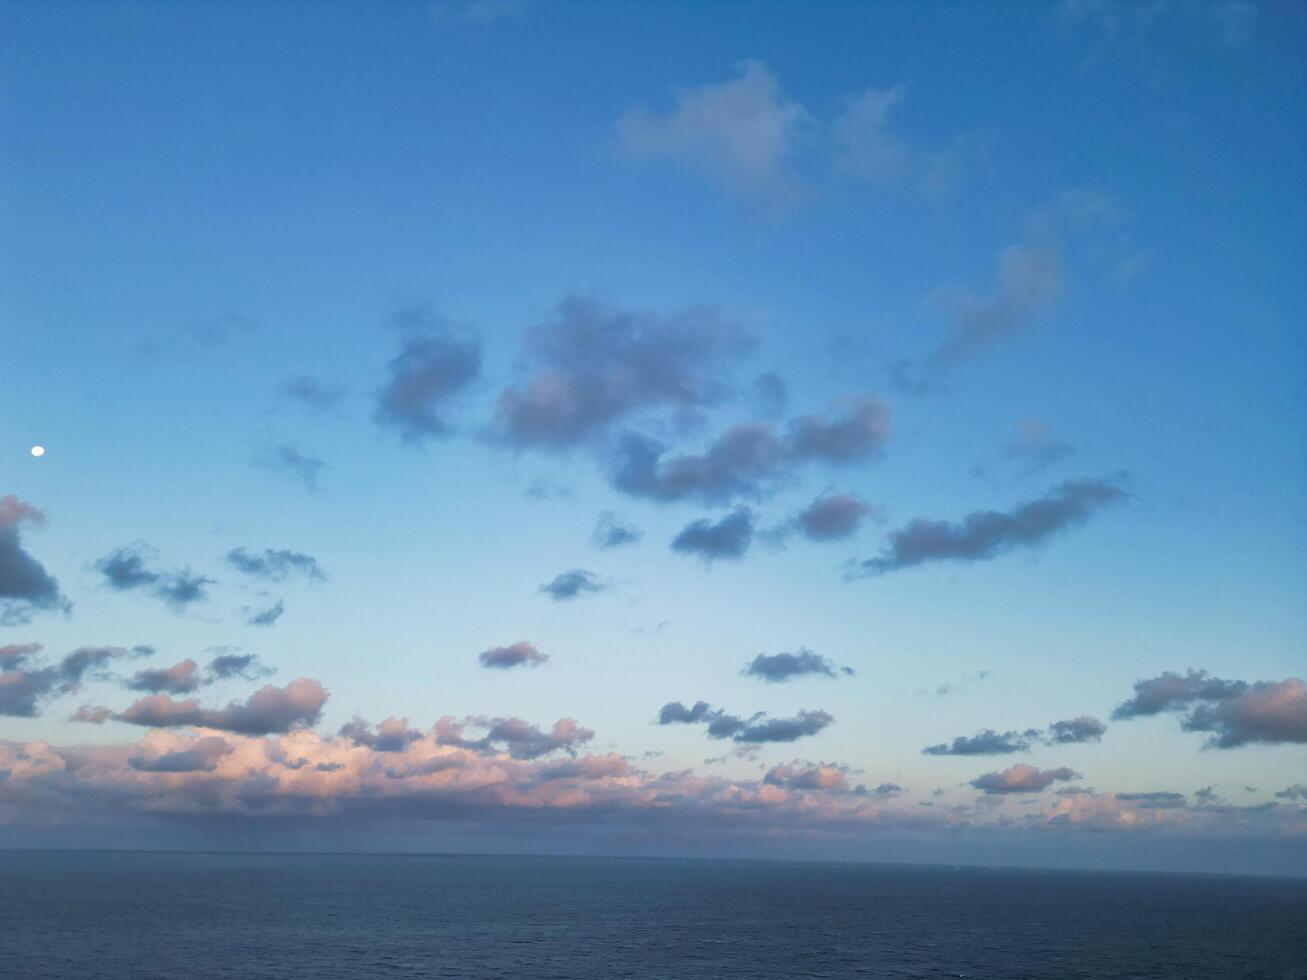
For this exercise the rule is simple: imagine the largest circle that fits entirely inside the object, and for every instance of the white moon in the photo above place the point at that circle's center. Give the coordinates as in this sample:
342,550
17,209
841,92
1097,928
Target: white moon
38,451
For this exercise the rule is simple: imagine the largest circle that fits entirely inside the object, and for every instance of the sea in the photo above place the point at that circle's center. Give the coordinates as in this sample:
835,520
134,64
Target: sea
139,916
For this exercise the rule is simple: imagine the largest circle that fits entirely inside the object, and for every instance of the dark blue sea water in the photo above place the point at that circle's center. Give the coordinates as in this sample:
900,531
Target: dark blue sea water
136,916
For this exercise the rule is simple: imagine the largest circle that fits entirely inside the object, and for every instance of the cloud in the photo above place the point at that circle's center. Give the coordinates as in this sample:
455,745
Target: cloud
520,654
1081,729
180,678
753,730
1034,451
27,682
833,517
1270,712
1298,791
609,532
990,742
269,709
1170,691
770,395
987,534
91,715
1234,713
181,589
888,789
778,667
203,755
436,361
808,776
245,666
24,582
752,457
290,462
392,735
742,132
784,729
592,365
508,776
570,584
1154,799
728,538
314,394
868,149
542,489
1021,778
275,564
127,569
985,742
674,712
742,460
1029,281
267,616
519,738
858,432
1232,24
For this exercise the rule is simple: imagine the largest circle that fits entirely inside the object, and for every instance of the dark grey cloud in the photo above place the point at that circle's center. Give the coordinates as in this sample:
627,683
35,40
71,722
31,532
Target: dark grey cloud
571,584
180,678
1081,729
591,365
888,789
1232,713
269,709
985,742
312,393
203,755
858,432
519,738
392,735
1270,712
520,654
832,517
1298,791
784,729
674,712
728,538
1021,778
1170,692
437,360
990,742
609,532
267,616
753,730
181,589
987,534
751,458
245,666
27,681
777,667
128,569
742,460
290,462
275,564
24,583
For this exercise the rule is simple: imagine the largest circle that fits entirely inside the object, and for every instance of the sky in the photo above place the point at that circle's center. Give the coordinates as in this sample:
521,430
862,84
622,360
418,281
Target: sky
850,431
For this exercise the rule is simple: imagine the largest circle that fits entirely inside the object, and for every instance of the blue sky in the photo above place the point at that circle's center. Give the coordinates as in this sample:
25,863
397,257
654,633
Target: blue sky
1043,247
